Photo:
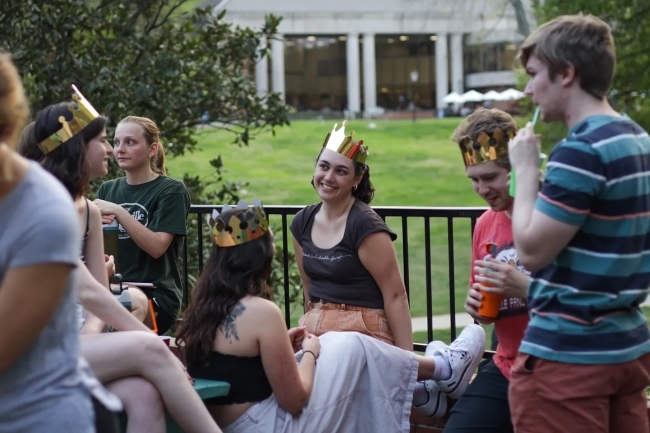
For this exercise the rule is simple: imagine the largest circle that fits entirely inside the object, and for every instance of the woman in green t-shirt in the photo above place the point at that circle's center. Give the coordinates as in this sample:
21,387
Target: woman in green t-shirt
151,210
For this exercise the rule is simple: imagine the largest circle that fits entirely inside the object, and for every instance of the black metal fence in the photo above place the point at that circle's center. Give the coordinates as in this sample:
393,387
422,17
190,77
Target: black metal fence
405,214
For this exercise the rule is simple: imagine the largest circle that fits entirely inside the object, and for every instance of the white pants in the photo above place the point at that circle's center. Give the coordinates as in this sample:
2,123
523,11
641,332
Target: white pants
361,385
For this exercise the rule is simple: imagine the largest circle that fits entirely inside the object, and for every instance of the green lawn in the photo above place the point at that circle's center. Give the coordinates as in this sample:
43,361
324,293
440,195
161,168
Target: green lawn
411,164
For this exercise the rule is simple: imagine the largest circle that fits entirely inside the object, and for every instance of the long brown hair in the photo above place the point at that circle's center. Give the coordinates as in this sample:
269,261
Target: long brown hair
151,135
230,274
14,109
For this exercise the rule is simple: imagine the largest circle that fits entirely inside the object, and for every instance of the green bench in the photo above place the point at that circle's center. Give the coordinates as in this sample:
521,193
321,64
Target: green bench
205,388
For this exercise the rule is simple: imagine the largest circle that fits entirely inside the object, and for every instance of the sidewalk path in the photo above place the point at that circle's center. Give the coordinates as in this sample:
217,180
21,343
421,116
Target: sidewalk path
442,321
463,319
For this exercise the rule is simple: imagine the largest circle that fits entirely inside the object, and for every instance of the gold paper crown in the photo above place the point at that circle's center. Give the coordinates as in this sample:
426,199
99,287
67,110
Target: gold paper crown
487,147
82,114
246,226
345,145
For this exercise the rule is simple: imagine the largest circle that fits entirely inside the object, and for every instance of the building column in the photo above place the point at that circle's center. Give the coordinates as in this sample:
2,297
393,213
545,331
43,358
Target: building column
277,64
262,71
457,75
352,49
442,77
369,74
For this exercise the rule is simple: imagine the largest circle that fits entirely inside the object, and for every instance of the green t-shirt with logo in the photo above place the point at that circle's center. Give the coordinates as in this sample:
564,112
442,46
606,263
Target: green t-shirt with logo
162,206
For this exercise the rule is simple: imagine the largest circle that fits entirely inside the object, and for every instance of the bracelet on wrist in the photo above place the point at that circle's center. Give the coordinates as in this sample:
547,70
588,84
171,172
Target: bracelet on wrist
312,353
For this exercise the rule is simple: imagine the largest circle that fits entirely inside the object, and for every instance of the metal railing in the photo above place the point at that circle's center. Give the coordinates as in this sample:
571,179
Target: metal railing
405,214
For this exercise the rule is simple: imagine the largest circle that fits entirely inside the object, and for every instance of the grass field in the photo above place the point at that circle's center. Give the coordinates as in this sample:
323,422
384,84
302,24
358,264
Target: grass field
411,164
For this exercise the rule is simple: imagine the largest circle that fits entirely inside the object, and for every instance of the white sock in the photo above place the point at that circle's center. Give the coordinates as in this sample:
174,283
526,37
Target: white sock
420,395
443,368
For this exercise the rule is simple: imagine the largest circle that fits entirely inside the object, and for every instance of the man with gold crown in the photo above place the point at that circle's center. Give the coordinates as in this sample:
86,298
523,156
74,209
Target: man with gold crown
483,140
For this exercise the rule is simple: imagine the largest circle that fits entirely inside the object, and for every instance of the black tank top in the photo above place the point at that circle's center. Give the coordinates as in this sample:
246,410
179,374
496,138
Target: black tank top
246,376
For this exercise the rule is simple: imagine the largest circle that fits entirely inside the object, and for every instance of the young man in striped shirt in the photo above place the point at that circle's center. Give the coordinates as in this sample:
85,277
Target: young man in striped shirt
584,361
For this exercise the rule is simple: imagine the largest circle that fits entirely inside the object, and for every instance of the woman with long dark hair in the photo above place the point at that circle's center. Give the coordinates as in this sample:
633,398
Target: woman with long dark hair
83,158
135,364
290,381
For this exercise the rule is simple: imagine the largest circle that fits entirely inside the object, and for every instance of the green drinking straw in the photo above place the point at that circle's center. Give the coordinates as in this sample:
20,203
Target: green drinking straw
536,115
512,173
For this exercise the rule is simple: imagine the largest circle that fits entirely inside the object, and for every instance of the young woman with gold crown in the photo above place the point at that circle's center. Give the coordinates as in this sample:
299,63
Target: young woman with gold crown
350,273
151,209
344,251
83,158
286,381
43,381
68,140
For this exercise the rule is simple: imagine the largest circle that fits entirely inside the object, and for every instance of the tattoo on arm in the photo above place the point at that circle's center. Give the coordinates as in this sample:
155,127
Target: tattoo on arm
228,326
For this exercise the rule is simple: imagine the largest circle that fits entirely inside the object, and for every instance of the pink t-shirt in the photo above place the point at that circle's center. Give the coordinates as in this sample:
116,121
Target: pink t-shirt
513,315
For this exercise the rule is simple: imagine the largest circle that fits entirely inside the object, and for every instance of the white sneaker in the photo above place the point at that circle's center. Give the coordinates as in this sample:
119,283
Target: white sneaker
464,354
436,407
434,346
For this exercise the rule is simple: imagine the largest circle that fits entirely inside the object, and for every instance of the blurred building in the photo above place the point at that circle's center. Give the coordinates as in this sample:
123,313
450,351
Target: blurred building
358,55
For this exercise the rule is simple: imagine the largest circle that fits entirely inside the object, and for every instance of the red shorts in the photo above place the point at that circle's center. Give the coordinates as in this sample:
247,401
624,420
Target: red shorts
550,397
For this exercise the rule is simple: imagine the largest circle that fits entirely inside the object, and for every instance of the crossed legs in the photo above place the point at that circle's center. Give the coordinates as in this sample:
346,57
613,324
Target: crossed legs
119,355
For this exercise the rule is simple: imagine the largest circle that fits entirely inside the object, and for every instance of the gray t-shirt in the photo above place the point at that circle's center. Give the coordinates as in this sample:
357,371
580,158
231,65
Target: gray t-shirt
43,391
337,274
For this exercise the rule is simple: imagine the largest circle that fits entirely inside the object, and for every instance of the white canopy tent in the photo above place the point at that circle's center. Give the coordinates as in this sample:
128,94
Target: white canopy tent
511,95
452,98
472,96
492,95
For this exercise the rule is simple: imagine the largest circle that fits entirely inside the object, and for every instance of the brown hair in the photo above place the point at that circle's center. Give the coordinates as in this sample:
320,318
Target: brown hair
68,161
584,41
488,121
151,135
14,109
230,274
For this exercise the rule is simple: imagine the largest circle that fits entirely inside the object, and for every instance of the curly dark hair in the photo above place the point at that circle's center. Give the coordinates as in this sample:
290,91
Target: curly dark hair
68,161
230,274
364,191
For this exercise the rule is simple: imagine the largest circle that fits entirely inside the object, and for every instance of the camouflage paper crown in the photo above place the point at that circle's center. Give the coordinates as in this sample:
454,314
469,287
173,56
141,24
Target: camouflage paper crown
345,145
82,114
487,147
245,226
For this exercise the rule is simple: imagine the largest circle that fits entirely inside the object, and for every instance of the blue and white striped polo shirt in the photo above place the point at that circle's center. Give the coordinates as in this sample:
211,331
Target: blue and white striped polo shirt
585,305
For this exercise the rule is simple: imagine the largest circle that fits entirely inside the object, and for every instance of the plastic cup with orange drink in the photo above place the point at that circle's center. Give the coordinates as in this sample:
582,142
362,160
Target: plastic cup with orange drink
491,301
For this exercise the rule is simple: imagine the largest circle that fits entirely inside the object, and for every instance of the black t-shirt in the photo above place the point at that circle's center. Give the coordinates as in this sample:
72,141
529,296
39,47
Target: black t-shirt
336,273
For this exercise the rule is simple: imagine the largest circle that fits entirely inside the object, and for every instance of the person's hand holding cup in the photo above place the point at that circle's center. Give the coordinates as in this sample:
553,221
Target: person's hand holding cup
491,303
473,303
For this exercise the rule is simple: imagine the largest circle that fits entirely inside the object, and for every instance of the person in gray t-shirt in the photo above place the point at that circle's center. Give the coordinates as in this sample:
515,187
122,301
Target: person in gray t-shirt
41,389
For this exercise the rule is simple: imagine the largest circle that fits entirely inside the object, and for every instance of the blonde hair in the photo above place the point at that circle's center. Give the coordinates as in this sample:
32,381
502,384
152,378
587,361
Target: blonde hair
14,110
151,135
584,41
